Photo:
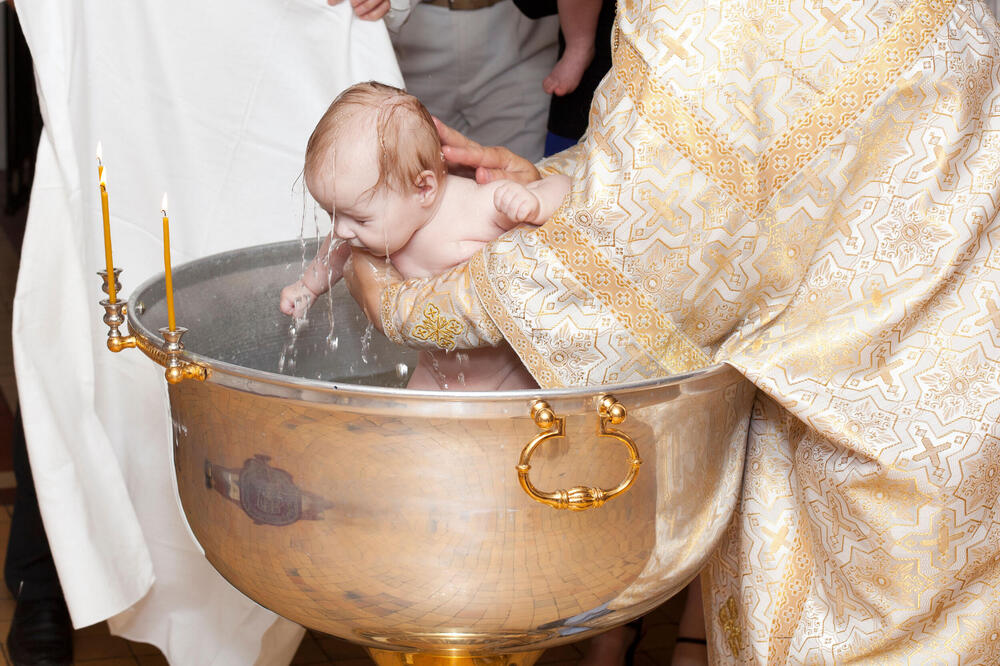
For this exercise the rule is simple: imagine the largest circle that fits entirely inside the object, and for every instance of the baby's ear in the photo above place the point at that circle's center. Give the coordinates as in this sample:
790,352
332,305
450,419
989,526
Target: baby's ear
427,187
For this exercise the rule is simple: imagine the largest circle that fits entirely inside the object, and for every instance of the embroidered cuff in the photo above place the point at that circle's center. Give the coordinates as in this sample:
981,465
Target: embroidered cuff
443,312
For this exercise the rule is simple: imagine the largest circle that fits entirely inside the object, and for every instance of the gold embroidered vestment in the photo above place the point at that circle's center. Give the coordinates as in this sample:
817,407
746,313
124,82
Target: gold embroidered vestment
808,191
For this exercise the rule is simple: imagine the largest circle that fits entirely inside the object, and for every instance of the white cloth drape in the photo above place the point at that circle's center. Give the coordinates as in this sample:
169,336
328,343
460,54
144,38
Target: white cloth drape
212,102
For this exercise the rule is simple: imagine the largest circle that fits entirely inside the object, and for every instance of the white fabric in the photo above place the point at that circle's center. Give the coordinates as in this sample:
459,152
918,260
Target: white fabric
212,102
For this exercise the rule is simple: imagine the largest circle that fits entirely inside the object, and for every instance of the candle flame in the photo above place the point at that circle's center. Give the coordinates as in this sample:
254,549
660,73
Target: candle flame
100,152
104,178
163,204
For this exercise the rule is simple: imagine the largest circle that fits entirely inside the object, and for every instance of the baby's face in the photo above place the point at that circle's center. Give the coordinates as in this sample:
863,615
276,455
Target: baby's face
382,221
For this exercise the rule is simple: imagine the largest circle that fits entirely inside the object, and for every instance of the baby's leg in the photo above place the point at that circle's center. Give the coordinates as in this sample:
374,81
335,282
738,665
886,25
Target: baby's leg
578,21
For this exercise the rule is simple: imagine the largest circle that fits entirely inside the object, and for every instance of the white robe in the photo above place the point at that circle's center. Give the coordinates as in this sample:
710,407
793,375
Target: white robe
212,102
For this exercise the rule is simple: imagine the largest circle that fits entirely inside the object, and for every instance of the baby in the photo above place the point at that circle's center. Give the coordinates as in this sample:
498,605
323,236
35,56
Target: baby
374,163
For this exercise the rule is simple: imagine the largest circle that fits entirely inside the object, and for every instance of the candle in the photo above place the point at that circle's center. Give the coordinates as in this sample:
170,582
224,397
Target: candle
112,296
171,324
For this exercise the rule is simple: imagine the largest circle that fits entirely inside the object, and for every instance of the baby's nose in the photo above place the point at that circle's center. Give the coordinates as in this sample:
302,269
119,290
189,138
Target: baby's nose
342,230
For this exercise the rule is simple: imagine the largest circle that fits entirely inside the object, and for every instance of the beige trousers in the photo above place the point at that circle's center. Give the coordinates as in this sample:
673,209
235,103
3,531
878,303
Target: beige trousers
481,71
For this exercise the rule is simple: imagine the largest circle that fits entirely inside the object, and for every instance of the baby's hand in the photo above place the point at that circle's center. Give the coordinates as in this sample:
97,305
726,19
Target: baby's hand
516,202
296,299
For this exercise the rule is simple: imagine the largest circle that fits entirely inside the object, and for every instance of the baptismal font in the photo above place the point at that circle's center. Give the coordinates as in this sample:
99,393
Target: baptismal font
431,527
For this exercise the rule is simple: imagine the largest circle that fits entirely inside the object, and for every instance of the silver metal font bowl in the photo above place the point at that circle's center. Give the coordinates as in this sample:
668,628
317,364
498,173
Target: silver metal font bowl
396,518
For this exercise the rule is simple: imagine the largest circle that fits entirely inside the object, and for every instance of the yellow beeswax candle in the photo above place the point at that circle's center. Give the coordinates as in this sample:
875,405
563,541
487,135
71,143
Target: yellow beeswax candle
112,296
171,324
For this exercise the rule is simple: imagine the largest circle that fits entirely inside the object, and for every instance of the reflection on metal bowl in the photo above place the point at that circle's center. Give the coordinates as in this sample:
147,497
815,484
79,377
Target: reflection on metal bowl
396,518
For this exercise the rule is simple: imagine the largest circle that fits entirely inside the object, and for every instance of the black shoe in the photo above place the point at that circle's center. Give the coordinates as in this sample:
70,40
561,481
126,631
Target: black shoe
41,633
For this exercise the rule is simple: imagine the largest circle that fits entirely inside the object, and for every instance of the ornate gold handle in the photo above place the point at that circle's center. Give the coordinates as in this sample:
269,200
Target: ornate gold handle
577,498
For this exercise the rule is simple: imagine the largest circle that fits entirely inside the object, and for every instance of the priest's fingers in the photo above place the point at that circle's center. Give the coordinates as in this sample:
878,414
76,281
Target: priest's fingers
452,137
366,278
450,140
490,162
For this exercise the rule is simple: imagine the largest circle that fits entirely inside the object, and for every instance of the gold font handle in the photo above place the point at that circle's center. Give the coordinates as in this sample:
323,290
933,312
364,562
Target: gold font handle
577,498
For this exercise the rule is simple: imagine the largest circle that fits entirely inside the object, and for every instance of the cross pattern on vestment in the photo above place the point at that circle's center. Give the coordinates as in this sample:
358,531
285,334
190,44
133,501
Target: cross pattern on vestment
882,370
675,45
965,20
992,314
776,537
942,161
723,264
930,451
601,139
834,19
842,223
662,207
438,329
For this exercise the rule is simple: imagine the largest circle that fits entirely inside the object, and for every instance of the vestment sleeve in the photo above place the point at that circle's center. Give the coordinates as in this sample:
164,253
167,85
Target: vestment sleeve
442,312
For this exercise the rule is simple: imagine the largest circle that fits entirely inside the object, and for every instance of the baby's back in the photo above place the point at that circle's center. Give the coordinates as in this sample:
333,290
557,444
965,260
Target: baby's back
464,223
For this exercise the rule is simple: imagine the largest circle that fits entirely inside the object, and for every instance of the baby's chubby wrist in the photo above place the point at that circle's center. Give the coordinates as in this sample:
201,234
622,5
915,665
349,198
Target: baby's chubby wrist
296,298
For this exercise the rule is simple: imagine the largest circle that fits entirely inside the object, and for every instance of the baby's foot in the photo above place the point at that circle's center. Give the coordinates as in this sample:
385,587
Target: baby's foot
566,75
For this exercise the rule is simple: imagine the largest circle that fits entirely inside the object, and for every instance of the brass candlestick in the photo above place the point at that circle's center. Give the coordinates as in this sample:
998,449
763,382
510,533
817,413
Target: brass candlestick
169,356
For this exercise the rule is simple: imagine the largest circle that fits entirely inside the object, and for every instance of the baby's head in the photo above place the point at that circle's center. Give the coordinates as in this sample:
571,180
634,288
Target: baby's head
375,159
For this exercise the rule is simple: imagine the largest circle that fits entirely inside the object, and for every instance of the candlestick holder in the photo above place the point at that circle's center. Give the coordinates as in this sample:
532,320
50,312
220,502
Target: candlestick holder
169,355
104,278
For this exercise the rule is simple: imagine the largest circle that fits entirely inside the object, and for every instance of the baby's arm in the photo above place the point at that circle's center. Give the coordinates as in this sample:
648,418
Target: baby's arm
321,273
533,203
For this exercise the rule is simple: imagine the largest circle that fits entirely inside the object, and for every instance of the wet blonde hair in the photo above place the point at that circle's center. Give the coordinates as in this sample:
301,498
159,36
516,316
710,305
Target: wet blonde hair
408,142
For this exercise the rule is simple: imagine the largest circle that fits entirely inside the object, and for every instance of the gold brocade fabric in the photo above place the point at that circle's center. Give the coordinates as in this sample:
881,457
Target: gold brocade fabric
807,190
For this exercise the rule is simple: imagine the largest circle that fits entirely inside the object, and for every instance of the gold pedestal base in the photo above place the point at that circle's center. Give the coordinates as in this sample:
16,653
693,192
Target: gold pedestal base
391,658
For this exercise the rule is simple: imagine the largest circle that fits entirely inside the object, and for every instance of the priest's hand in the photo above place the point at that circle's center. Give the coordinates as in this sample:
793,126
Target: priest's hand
489,162
366,277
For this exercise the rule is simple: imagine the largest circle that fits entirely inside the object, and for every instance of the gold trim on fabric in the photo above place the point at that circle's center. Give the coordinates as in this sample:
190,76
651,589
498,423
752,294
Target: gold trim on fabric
636,312
753,184
534,361
791,599
691,137
387,307
729,618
